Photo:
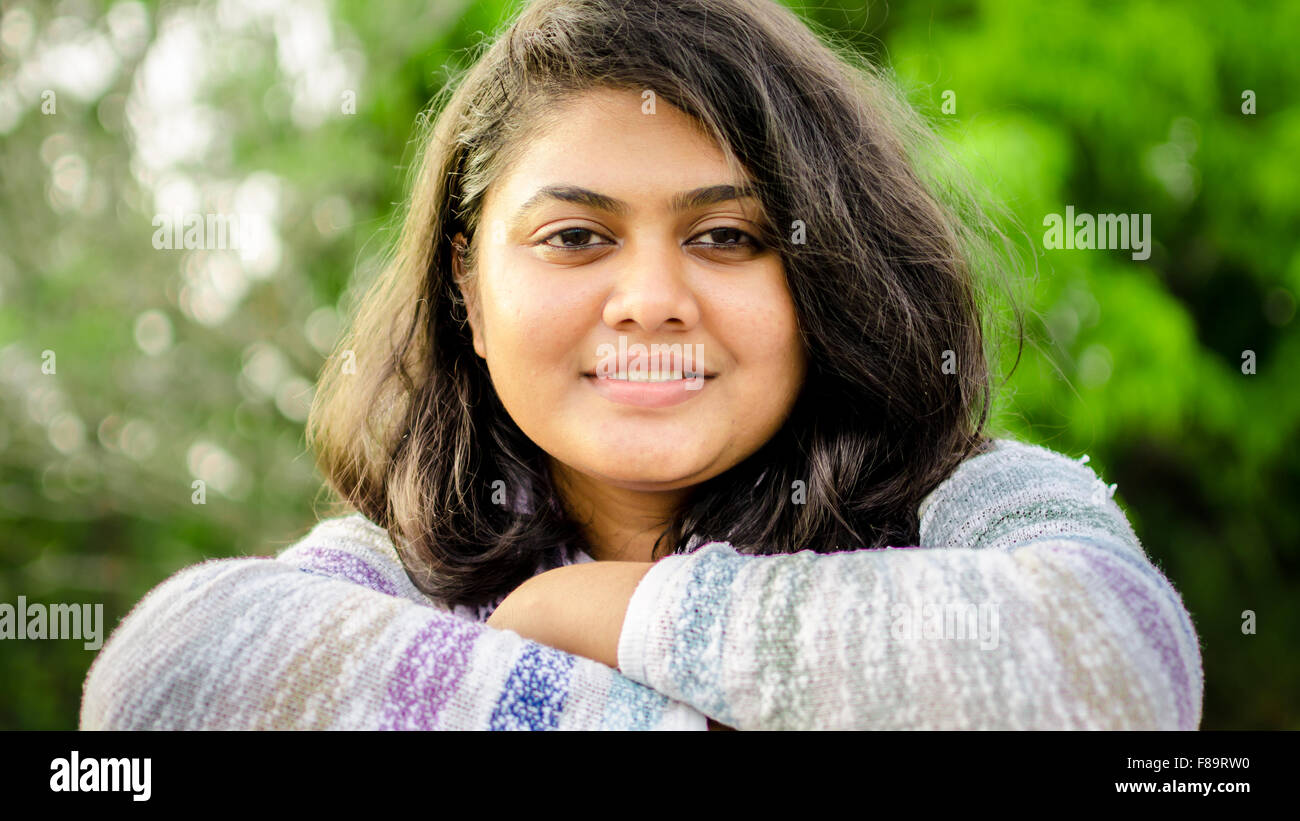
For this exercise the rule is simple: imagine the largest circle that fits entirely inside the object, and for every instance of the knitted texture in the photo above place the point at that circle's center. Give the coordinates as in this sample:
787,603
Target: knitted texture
331,634
1029,603
1034,607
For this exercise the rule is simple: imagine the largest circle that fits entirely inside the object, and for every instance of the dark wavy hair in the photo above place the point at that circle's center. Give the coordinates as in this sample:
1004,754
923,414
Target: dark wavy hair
881,262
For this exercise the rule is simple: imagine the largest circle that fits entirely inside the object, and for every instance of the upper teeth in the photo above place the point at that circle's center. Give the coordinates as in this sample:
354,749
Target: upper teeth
654,376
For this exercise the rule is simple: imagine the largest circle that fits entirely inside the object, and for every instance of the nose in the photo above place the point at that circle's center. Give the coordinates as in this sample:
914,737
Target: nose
651,289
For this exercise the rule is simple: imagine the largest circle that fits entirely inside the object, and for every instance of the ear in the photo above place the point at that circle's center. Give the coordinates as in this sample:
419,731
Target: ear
468,292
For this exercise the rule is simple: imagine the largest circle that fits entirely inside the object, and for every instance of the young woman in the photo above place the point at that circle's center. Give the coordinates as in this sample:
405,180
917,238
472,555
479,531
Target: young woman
678,343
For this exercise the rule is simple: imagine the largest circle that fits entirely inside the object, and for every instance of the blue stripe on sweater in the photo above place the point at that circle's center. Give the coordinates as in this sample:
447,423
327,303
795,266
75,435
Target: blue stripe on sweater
535,691
631,706
695,666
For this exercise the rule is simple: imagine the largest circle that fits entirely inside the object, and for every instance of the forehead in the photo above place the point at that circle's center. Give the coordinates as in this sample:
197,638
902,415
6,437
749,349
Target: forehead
615,142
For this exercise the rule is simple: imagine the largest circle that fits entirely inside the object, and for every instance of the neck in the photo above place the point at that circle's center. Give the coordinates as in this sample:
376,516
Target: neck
619,524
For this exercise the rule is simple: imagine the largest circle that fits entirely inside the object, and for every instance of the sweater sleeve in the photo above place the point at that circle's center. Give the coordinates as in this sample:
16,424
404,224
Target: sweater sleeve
331,634
1029,604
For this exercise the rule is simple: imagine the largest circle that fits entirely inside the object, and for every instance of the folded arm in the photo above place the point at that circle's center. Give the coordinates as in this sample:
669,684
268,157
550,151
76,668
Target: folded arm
1029,604
331,635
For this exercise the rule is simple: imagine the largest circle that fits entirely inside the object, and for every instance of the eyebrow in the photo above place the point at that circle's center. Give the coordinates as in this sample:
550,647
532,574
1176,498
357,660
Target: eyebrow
685,201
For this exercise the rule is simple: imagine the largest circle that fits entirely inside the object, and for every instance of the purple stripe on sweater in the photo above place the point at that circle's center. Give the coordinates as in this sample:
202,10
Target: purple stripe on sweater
344,565
1156,629
429,673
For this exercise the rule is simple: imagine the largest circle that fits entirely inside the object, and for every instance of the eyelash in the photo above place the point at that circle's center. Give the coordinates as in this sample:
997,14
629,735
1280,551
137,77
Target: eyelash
750,241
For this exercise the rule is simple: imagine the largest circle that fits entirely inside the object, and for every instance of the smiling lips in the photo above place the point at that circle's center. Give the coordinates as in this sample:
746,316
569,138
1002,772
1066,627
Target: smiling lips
644,393
644,385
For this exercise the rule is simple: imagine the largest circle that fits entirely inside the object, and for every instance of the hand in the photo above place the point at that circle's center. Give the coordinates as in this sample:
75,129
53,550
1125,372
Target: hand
577,608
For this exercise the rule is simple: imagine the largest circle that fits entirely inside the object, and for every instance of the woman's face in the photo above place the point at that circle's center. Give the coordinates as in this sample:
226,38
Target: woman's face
608,234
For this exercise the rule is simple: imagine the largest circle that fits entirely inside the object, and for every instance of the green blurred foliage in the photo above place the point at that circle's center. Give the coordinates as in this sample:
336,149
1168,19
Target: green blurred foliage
175,365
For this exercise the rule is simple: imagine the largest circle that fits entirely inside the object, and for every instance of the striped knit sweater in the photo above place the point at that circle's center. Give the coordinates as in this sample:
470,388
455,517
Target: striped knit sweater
1028,604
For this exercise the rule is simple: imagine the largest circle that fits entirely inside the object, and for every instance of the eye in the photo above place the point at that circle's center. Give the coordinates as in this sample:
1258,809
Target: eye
568,234
725,238
731,238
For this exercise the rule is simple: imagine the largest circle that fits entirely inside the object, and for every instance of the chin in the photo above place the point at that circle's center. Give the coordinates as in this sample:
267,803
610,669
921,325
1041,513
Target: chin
653,470
652,484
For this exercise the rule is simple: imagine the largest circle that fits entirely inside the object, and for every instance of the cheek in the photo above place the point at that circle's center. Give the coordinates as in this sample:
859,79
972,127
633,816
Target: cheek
776,368
765,335
532,328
